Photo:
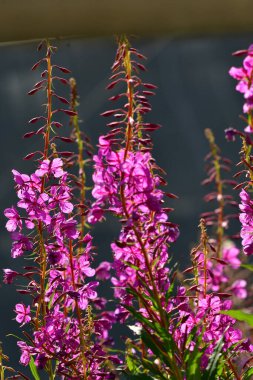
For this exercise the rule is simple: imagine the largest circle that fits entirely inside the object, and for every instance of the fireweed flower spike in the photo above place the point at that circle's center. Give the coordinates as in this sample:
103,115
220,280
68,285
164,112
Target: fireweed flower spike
64,337
200,308
246,219
224,256
245,86
127,182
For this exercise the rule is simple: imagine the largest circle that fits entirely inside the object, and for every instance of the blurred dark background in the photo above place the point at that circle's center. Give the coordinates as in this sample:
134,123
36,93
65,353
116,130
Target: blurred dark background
194,92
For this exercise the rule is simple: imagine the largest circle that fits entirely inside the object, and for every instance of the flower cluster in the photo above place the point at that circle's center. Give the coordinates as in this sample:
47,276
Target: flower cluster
66,287
244,77
224,258
47,226
183,328
246,219
219,272
211,325
127,183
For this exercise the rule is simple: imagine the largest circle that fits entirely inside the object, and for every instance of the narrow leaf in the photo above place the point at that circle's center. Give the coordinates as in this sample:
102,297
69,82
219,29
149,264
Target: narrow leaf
248,266
240,315
34,90
34,369
63,69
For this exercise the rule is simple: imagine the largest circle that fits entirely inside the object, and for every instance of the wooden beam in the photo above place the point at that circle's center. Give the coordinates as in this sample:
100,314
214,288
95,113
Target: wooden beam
22,20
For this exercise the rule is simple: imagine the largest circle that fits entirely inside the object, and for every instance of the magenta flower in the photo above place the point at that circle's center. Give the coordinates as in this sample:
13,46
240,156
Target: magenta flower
53,167
26,353
9,275
84,267
20,244
40,361
14,221
20,179
68,229
239,289
244,77
237,73
103,271
246,219
96,215
229,254
23,313
87,293
61,195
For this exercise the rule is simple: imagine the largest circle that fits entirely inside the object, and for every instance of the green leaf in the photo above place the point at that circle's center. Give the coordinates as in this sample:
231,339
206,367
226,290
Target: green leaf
127,263
141,376
139,316
34,369
153,368
248,266
213,365
152,342
248,374
131,363
193,364
150,292
192,357
169,292
15,336
167,339
240,315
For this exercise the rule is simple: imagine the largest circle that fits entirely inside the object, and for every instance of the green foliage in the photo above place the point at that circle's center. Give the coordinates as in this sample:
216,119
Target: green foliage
140,376
214,368
34,369
240,315
192,358
161,359
248,375
248,266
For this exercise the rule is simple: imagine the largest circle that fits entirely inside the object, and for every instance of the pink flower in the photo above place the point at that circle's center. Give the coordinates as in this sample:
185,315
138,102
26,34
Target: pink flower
61,195
248,129
230,256
9,275
246,219
21,243
85,267
19,178
239,288
25,355
104,145
68,229
87,293
23,313
103,271
14,221
237,73
96,215
54,167
244,77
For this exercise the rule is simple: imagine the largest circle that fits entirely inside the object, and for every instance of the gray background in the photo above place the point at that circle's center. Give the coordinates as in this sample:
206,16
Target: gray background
194,92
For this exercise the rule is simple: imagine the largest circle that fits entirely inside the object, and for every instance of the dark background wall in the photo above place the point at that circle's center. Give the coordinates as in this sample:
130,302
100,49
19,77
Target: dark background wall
194,93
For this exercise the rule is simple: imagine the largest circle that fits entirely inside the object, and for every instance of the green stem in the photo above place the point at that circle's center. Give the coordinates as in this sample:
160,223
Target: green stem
216,161
82,178
79,316
43,261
